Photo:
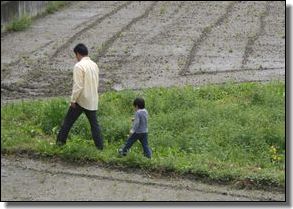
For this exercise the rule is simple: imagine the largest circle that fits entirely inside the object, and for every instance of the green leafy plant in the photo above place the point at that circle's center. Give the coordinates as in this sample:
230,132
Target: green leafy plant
224,133
19,24
54,6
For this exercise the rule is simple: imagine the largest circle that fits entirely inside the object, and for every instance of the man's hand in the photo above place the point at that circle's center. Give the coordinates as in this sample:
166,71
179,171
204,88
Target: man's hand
73,104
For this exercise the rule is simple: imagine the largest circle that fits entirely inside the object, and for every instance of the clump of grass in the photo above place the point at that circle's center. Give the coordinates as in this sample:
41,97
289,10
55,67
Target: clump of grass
24,22
224,133
19,24
54,6
163,9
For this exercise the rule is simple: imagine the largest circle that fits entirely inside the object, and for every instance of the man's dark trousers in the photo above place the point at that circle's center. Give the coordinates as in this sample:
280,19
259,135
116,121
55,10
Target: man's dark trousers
71,117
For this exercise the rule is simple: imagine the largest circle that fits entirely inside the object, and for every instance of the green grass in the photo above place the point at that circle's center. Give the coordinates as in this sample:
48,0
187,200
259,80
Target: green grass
54,6
19,24
24,22
163,9
223,133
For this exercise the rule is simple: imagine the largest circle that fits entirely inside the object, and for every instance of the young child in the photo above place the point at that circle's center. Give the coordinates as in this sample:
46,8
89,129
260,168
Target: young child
139,129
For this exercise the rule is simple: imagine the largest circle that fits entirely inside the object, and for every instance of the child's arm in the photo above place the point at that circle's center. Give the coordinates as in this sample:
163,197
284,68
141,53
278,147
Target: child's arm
135,124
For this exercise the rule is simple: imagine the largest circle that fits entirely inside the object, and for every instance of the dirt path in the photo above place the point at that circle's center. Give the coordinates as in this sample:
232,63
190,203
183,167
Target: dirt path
146,44
24,179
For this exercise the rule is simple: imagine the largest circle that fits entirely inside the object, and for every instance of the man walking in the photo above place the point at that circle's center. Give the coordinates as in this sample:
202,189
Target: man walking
84,97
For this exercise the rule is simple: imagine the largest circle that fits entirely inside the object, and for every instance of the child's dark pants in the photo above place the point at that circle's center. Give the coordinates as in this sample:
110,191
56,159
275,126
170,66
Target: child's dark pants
143,138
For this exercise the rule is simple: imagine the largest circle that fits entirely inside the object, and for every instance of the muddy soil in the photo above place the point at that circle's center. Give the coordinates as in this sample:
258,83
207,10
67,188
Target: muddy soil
146,44
27,179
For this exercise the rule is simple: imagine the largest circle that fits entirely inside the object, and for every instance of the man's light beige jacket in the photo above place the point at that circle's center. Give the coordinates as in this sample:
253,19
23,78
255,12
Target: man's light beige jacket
85,84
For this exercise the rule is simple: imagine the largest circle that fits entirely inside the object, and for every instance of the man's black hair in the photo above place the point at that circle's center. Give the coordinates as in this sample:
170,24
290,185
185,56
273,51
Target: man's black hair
139,102
81,49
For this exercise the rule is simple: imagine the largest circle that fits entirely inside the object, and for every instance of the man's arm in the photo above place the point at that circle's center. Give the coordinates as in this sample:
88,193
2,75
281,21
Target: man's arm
78,83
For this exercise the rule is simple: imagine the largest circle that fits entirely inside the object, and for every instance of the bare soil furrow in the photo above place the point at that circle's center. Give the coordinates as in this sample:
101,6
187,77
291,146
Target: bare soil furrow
36,58
269,48
120,54
172,19
99,37
109,42
159,49
89,26
53,69
219,52
206,31
147,44
54,27
251,40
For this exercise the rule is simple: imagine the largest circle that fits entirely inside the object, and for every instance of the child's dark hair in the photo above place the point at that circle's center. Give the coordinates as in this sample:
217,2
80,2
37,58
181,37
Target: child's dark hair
139,102
81,49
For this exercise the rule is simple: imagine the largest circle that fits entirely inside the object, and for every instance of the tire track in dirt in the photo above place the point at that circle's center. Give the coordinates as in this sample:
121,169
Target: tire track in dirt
16,62
174,20
155,54
109,42
151,47
95,22
154,58
98,37
206,31
11,64
81,27
39,68
275,70
252,40
52,85
268,49
106,45
31,62
169,18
